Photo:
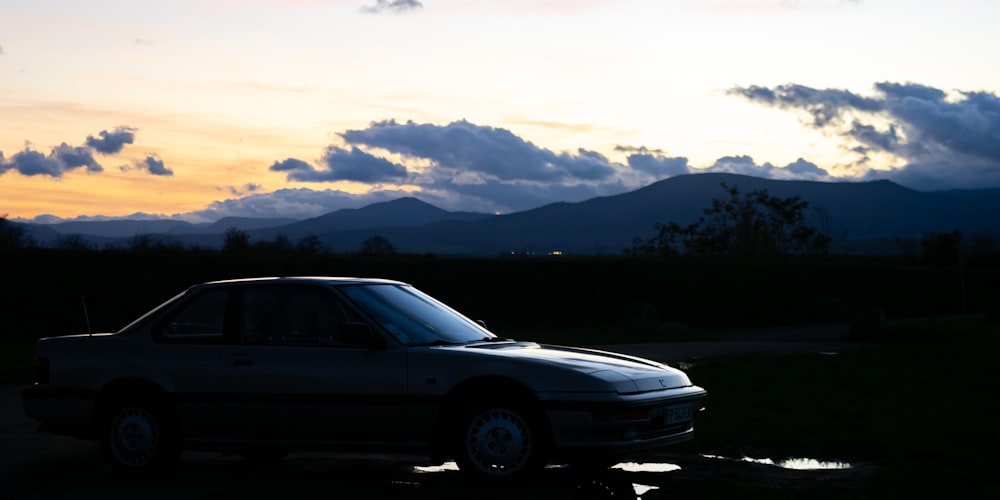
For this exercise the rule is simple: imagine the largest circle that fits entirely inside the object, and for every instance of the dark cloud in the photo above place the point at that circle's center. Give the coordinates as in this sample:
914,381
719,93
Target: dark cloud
29,162
290,165
113,142
245,189
486,152
824,106
942,141
391,5
643,150
657,165
298,203
745,165
73,157
152,164
62,159
806,169
343,165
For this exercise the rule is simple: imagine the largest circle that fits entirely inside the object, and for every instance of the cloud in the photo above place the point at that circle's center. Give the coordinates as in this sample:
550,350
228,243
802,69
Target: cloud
152,164
504,197
74,157
30,163
247,188
299,203
481,152
745,165
62,159
113,142
657,165
343,165
942,141
391,5
824,106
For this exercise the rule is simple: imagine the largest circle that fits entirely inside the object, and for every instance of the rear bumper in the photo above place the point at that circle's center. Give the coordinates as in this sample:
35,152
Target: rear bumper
60,411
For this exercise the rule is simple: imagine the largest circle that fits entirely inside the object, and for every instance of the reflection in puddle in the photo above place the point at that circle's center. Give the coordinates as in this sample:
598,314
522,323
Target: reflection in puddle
646,467
642,489
445,467
791,463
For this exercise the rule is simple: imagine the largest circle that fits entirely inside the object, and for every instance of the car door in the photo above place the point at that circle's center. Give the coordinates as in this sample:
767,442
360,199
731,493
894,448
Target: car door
292,377
189,344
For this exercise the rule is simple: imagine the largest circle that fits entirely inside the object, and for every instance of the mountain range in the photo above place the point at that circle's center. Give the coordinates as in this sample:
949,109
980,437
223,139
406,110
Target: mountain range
864,217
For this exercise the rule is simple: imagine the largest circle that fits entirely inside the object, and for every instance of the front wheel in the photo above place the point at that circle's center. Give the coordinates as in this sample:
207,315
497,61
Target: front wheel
137,437
499,439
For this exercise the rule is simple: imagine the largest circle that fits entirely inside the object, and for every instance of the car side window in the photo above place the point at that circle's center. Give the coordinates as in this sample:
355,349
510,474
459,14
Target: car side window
199,320
291,315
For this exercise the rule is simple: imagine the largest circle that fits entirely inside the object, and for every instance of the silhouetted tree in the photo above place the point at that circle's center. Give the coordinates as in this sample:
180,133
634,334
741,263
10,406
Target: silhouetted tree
280,245
756,224
235,240
12,235
140,242
75,242
311,245
941,248
377,245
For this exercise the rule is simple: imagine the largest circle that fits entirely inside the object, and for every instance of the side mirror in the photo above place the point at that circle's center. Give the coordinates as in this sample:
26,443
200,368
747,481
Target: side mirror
360,334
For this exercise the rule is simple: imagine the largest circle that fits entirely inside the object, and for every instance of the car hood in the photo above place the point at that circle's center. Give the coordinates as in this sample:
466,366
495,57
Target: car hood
627,373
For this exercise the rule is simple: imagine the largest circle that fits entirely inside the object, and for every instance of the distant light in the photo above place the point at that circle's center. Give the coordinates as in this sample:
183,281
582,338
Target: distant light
555,252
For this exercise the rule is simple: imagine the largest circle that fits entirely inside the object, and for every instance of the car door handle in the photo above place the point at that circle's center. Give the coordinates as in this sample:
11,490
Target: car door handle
243,362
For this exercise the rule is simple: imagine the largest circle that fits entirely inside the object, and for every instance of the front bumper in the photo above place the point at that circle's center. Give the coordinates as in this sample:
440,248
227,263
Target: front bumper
623,425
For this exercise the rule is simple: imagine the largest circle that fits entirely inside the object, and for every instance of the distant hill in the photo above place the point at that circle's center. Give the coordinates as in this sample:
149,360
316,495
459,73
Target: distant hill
868,217
121,228
244,223
399,213
865,217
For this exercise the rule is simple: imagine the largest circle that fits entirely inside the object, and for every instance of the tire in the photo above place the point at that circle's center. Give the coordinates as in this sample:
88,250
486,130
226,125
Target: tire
138,437
499,438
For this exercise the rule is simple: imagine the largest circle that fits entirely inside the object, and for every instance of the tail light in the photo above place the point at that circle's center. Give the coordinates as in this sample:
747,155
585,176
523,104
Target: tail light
42,373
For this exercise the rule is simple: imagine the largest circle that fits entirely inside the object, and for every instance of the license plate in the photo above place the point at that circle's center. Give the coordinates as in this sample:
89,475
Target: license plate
676,414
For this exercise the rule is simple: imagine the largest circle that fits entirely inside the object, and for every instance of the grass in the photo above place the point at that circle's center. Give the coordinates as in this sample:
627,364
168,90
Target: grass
16,362
921,406
608,335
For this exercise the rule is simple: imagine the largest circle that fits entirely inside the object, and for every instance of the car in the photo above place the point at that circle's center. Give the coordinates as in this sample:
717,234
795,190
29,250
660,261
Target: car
267,366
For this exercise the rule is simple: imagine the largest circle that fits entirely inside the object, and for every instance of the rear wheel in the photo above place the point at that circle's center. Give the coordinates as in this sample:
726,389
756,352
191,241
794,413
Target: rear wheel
499,438
137,436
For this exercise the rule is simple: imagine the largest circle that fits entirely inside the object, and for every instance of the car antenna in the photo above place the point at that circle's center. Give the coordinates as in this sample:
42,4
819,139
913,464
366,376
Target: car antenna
86,315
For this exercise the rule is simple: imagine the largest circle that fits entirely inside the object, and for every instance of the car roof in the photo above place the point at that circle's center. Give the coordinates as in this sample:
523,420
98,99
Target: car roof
330,280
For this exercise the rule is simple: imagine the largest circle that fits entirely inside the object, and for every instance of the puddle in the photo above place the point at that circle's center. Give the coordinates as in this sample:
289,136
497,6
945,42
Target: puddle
646,467
642,489
791,463
429,469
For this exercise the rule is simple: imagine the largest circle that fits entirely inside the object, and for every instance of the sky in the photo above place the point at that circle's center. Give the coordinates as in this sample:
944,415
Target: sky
202,109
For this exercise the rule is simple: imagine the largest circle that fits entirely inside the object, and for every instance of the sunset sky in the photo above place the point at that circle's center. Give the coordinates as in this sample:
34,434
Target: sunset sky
200,109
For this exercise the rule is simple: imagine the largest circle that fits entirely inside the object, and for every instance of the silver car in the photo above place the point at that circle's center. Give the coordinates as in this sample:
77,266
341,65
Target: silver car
268,366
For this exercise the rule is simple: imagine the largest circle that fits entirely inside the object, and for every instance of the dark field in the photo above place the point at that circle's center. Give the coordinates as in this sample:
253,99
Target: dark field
911,404
913,414
44,290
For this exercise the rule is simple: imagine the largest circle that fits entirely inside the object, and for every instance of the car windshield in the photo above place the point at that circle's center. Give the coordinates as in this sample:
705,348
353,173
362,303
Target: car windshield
413,317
